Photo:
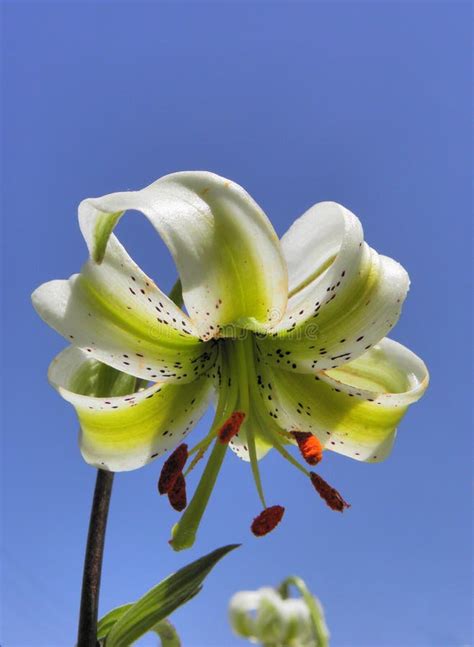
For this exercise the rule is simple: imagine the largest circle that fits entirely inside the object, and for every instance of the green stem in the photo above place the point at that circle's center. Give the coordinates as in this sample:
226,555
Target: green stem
319,626
87,632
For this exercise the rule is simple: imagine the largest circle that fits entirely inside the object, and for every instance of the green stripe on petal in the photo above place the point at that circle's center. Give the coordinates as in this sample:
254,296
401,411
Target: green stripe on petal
353,410
120,317
228,255
351,299
125,432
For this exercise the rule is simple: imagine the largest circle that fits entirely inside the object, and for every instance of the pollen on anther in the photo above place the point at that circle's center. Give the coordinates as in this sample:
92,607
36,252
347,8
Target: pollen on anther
231,427
310,447
172,468
267,520
177,493
331,496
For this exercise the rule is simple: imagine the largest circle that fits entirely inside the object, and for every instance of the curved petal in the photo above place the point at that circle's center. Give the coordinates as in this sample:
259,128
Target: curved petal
125,432
344,296
228,256
121,318
353,410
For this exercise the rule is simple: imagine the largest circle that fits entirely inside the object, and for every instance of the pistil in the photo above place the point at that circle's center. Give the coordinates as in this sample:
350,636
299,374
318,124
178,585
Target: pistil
184,532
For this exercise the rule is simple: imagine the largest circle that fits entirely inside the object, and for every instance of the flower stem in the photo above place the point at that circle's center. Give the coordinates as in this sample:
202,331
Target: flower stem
87,633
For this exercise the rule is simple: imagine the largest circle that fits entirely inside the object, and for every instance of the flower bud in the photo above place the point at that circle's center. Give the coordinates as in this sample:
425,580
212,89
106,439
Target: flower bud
264,617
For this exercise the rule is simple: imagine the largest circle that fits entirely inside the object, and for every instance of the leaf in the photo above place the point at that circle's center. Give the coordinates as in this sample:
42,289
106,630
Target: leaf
162,600
106,623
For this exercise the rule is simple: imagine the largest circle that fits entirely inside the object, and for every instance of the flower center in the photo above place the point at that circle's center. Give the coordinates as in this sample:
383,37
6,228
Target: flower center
241,421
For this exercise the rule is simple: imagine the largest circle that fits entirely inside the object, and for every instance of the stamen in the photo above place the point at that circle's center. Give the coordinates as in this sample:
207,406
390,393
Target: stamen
267,520
177,493
172,468
231,427
199,455
273,434
332,497
309,446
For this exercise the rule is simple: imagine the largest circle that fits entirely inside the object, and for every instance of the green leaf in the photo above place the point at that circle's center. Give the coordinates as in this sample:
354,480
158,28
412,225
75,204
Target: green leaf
162,600
107,622
168,634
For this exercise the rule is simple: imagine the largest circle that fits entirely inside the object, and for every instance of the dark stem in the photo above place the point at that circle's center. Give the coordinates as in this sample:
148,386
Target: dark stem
87,633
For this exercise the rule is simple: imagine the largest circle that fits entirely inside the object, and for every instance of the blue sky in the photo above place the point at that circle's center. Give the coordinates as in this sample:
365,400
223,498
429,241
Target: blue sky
364,103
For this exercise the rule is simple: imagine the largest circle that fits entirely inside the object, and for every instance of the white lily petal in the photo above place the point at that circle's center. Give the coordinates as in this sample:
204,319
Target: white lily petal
242,608
120,317
344,296
353,410
125,432
228,256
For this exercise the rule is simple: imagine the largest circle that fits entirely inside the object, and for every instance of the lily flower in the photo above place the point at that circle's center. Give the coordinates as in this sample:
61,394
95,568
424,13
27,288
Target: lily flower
288,336
267,617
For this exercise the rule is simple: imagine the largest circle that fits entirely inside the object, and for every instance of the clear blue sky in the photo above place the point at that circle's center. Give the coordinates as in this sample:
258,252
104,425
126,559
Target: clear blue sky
364,103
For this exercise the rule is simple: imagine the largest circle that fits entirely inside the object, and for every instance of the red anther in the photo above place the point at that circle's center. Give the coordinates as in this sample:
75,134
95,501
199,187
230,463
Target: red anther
309,446
267,520
177,493
172,468
231,427
328,493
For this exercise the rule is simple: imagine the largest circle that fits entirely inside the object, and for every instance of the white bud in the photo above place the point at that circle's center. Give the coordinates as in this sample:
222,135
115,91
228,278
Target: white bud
264,617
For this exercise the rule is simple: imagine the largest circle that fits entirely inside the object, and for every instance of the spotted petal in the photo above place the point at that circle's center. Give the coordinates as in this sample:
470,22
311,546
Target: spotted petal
344,297
353,410
228,256
124,432
120,317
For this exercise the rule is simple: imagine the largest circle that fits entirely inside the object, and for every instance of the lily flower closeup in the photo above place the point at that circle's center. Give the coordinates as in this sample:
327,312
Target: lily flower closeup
287,336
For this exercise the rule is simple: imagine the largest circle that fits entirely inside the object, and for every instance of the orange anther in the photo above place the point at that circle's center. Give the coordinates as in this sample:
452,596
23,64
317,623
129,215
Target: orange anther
309,446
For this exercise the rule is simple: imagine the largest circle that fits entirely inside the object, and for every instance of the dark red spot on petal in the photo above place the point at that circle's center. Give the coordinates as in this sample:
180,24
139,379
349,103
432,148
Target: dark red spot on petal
172,468
267,520
309,446
231,427
332,497
177,493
